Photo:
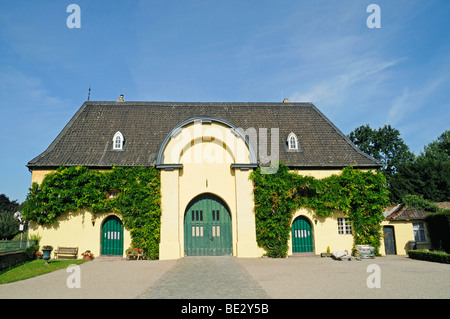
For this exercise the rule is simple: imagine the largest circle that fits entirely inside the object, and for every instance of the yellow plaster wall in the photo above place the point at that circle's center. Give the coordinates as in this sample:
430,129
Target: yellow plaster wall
403,232
318,173
75,229
325,232
206,152
37,176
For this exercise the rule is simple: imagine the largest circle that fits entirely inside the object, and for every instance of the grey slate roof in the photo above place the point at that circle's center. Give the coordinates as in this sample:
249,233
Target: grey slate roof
87,138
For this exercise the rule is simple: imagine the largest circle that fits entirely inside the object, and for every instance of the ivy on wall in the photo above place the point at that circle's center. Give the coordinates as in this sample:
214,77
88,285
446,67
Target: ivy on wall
138,199
360,195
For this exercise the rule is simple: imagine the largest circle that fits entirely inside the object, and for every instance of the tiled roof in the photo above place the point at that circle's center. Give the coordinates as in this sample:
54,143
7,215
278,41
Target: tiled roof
401,212
445,205
87,138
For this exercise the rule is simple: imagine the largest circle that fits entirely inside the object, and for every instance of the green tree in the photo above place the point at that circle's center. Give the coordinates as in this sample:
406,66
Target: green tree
384,144
9,226
6,205
428,175
439,149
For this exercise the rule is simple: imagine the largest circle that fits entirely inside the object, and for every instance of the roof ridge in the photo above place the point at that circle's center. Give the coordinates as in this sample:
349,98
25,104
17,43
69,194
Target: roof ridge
178,103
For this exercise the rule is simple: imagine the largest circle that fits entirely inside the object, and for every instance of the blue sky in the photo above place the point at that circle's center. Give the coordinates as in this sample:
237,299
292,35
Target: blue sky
207,50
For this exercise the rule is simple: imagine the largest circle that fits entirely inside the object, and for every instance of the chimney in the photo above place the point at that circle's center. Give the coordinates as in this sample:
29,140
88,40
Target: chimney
286,101
120,99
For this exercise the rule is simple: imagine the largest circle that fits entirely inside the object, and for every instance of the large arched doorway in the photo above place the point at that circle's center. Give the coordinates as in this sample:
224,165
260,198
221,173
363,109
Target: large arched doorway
302,237
207,227
112,236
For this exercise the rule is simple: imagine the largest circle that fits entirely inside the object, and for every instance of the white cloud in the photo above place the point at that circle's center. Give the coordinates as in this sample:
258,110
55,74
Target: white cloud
331,91
410,101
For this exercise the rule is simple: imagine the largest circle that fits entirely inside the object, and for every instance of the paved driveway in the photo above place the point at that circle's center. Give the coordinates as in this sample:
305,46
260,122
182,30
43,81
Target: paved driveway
315,277
229,277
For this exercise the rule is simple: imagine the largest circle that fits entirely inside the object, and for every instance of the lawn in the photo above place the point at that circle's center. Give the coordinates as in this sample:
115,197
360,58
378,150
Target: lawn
35,268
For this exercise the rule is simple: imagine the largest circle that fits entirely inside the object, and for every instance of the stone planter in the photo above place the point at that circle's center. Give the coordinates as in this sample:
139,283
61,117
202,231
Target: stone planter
46,255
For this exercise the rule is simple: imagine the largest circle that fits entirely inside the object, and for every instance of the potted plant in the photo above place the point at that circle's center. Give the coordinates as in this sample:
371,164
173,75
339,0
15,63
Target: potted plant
46,250
87,255
38,255
133,253
327,254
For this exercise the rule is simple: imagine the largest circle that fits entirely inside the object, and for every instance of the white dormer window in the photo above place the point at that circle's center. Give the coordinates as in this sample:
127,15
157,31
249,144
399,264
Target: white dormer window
118,141
292,142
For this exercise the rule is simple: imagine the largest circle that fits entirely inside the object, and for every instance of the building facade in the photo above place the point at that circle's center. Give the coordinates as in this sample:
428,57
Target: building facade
205,153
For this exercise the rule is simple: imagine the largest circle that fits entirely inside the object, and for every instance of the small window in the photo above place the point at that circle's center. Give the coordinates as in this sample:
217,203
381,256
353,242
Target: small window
292,142
113,193
344,226
118,141
419,232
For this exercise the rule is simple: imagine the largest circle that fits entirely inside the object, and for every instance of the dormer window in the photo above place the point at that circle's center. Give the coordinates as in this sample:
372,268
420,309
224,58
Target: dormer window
292,142
118,141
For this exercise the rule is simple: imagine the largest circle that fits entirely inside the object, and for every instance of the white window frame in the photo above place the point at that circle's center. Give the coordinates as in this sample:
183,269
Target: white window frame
419,232
344,226
118,141
292,137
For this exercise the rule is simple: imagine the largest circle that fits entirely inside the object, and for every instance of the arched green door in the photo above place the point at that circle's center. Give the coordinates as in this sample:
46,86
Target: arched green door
302,239
207,227
112,237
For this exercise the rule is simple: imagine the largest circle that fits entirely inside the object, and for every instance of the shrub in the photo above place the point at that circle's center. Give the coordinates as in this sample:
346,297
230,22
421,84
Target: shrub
9,227
435,256
439,230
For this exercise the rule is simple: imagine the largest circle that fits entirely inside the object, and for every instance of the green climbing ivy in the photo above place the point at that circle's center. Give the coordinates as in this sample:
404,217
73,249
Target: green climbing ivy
360,195
73,188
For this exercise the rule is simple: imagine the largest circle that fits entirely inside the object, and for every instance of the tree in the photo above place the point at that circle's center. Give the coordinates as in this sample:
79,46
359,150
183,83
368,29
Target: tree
385,145
9,226
439,149
6,205
428,175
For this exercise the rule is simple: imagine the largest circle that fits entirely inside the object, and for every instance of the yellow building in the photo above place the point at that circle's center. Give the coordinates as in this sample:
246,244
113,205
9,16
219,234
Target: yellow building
205,153
404,229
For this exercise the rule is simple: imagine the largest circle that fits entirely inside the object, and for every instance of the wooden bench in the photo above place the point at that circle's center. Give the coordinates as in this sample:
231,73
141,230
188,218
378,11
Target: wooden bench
66,251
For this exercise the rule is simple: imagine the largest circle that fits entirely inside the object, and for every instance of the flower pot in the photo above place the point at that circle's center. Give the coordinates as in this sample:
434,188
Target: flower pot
87,258
46,255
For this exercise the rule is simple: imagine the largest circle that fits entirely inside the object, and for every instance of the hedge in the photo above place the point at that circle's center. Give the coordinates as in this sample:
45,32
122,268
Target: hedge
439,230
435,256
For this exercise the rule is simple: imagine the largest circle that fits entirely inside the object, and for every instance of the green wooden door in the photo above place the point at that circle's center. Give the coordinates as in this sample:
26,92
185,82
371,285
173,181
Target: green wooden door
207,227
112,237
302,239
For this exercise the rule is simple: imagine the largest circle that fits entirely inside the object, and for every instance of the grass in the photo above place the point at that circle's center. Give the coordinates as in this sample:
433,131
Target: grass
35,268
